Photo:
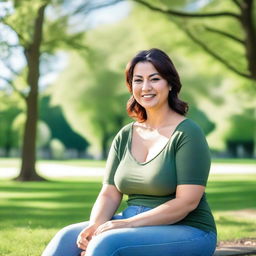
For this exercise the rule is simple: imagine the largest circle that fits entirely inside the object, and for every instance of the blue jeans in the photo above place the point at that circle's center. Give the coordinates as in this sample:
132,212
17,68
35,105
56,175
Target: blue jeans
168,240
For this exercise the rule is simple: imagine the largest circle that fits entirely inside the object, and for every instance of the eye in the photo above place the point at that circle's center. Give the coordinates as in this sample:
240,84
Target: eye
155,79
137,80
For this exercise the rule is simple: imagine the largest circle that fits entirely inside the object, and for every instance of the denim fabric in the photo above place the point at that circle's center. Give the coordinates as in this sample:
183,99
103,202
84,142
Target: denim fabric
167,240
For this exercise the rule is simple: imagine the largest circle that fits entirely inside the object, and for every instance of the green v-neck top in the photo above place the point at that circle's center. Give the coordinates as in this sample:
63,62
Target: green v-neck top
185,159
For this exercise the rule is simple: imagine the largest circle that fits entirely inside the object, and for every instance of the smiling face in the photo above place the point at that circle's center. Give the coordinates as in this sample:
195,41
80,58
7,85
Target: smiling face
149,89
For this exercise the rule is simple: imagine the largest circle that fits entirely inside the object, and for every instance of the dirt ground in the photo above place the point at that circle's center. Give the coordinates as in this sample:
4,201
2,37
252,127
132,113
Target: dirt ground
250,242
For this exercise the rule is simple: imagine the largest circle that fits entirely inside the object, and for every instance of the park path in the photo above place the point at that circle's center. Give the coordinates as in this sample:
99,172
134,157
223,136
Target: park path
60,170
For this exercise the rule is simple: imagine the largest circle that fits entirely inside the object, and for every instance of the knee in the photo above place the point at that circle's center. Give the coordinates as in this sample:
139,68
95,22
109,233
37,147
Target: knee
64,242
66,232
106,243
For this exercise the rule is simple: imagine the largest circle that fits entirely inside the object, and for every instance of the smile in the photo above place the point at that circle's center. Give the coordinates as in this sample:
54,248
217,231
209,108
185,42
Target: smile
148,95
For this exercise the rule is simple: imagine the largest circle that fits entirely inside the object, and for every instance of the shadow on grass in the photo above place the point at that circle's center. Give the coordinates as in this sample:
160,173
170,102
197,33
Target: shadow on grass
231,195
242,225
56,204
46,204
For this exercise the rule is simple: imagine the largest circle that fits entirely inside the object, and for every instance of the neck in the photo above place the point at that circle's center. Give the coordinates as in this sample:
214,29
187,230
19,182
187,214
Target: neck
157,119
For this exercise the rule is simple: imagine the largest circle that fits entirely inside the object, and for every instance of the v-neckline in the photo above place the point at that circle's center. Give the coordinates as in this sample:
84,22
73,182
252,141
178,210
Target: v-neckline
155,156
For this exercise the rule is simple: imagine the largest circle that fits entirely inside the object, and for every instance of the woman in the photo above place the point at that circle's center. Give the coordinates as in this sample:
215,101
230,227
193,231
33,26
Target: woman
161,161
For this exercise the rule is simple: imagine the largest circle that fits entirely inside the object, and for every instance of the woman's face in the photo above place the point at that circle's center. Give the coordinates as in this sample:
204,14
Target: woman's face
149,89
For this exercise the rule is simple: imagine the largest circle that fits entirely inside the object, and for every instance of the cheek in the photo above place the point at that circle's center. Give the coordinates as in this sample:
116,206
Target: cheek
135,90
164,88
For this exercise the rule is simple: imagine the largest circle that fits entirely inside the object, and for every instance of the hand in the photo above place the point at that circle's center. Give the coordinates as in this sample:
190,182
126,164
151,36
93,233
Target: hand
85,236
112,224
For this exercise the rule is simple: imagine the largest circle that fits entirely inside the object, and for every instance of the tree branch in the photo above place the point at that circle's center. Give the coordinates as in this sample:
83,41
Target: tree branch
21,38
236,2
87,8
11,69
10,82
216,56
189,15
5,43
223,33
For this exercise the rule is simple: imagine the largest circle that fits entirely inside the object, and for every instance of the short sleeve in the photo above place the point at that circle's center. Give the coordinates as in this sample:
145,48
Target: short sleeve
111,164
115,154
192,157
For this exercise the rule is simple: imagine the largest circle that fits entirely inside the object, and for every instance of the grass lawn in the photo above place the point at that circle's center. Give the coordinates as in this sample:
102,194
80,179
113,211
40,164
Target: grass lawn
15,162
31,213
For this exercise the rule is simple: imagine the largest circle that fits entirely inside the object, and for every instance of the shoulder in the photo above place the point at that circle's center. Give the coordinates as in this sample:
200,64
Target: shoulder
125,130
188,131
123,134
189,127
120,141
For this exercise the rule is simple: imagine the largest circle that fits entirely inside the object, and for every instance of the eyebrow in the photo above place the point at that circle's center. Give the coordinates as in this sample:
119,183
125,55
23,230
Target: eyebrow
149,75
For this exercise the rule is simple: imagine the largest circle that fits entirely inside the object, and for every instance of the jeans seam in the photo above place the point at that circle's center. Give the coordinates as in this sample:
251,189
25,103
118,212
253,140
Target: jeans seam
177,242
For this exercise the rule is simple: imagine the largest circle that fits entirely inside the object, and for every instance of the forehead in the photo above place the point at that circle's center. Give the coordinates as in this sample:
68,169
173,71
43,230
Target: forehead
144,68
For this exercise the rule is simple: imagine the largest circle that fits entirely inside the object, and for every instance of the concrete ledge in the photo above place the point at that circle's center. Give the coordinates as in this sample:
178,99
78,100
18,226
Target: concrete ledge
235,251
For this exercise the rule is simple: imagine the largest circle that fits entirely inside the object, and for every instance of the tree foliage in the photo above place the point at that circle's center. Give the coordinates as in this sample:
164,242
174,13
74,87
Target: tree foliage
27,19
60,128
238,18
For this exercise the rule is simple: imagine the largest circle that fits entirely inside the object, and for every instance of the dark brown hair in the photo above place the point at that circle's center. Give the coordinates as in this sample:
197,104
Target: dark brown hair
163,64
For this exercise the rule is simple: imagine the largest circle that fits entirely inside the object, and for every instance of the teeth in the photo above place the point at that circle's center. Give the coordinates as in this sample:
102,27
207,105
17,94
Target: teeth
148,96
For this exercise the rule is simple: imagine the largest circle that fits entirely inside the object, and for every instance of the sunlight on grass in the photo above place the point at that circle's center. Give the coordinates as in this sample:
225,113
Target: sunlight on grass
232,227
32,212
25,242
15,162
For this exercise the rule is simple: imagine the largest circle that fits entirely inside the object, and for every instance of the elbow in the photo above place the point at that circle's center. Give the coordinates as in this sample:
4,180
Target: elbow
111,197
191,205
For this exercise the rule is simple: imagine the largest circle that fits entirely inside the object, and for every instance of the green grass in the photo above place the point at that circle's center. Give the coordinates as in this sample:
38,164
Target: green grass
31,213
15,162
234,160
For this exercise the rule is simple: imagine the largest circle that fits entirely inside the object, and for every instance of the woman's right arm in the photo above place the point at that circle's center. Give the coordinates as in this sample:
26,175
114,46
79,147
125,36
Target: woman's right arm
103,210
106,204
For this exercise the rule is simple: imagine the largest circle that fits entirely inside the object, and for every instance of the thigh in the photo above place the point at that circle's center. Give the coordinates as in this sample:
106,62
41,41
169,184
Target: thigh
170,240
64,242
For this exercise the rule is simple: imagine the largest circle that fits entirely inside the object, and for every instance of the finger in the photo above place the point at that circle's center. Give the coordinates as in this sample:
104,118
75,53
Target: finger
100,230
82,244
83,253
83,240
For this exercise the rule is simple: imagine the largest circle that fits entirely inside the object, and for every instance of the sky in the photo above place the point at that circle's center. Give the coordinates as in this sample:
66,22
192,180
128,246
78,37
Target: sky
106,15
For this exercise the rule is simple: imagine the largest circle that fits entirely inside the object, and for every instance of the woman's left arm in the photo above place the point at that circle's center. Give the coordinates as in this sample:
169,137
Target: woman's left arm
187,199
193,162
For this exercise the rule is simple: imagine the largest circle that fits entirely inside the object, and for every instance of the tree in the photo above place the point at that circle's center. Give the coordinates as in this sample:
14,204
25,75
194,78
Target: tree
243,19
60,128
96,107
225,31
27,21
7,136
239,135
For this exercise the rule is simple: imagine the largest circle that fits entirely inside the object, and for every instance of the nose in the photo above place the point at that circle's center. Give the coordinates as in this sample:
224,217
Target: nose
146,86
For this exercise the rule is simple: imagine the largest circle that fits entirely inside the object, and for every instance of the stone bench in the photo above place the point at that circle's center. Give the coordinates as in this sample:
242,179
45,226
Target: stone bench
235,251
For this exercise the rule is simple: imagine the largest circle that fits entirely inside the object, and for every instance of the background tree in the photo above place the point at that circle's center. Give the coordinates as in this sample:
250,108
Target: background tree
226,31
37,37
96,107
10,107
60,128
240,28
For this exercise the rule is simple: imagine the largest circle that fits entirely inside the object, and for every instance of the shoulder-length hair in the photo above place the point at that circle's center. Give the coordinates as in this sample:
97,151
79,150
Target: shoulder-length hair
163,64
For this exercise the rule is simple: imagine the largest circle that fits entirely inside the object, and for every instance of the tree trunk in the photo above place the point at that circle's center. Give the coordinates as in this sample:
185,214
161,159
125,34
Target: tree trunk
250,35
104,146
32,54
